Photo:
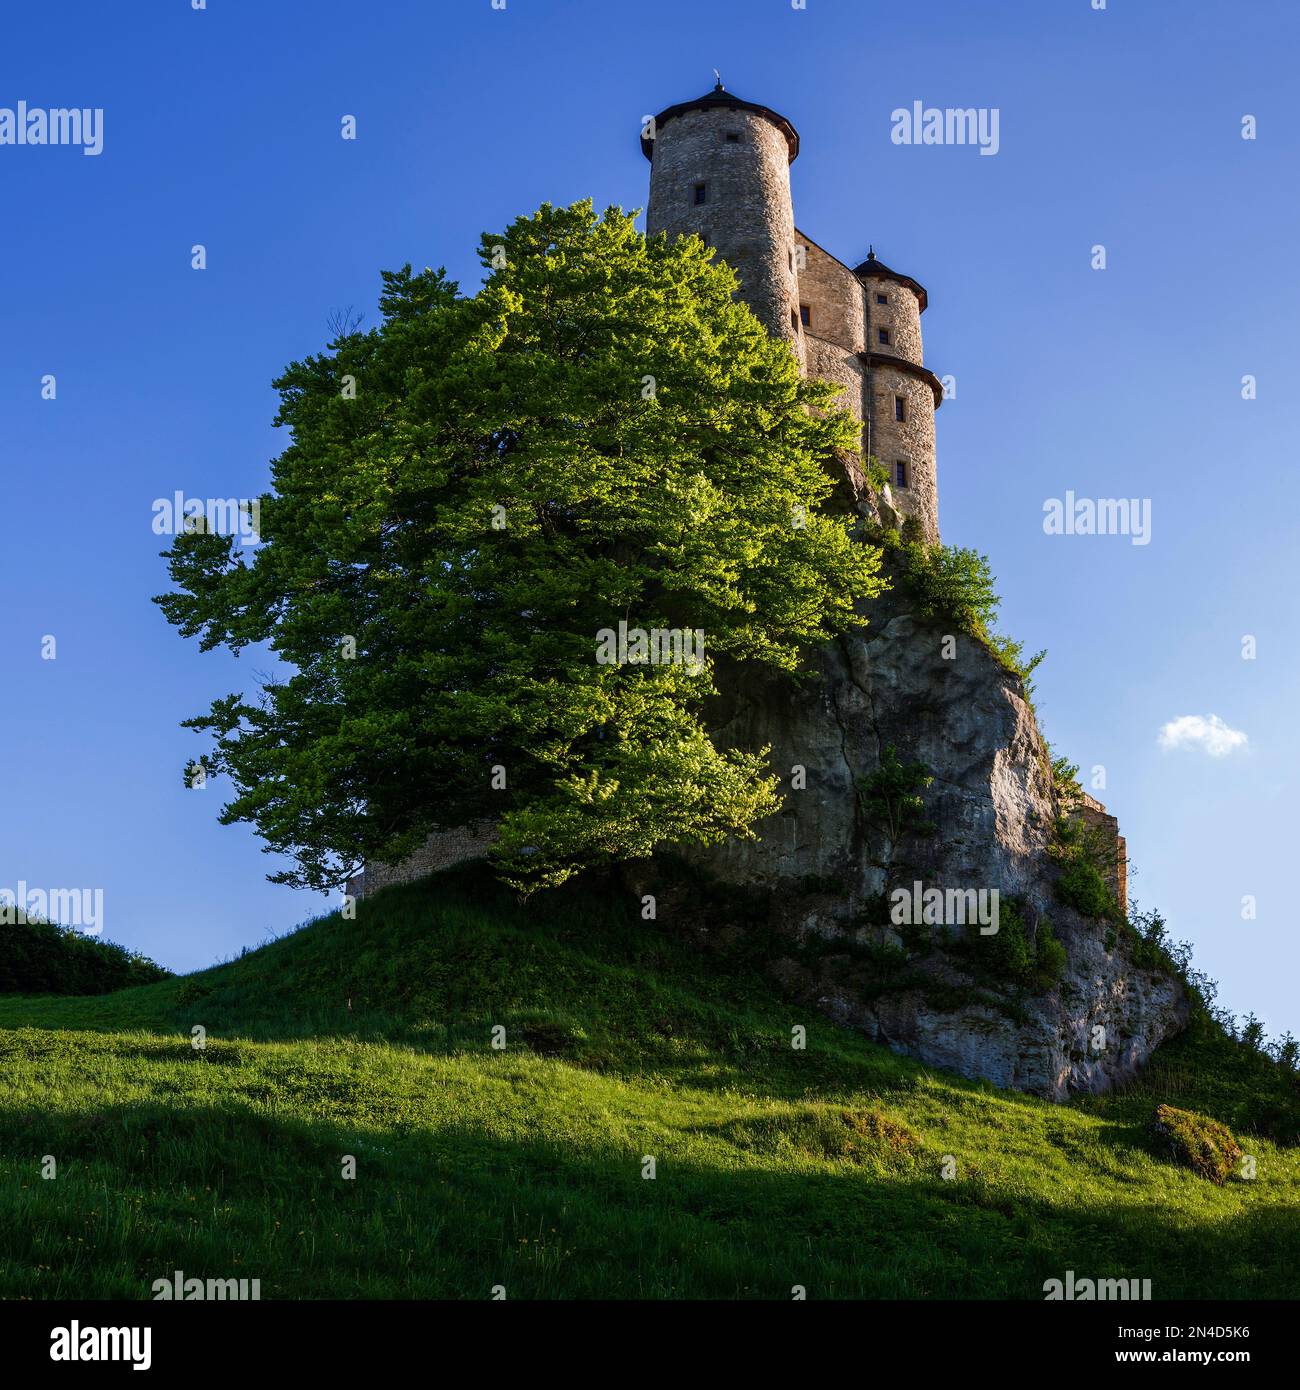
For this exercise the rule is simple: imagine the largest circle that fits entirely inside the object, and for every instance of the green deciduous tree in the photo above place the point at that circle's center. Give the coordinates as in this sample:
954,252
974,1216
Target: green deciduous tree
475,489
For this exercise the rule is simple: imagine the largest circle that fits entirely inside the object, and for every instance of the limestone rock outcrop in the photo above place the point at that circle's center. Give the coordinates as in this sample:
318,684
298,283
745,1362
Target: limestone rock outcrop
821,869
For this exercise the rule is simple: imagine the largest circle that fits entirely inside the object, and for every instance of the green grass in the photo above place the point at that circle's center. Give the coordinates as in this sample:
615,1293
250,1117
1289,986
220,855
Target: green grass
523,1167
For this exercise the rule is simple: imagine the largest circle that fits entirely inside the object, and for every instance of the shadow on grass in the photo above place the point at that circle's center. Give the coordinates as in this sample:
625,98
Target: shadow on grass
230,1191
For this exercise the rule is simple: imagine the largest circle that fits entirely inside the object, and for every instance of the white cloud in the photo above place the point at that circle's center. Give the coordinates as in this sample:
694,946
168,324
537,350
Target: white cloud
1207,732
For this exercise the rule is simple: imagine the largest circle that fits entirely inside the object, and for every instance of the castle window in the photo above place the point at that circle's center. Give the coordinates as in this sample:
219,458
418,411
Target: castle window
882,336
794,319
733,138
900,473
882,299
701,193
900,408
805,316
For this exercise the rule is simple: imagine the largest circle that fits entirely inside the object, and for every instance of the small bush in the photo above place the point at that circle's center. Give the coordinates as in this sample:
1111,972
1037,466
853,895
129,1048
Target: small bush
1083,888
1065,779
857,1136
38,957
955,584
877,1133
1007,952
191,991
1203,1145
1151,947
1010,954
891,798
1052,959
950,582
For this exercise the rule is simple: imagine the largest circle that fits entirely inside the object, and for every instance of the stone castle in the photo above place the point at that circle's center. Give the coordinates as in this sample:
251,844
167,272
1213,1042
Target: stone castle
817,870
720,168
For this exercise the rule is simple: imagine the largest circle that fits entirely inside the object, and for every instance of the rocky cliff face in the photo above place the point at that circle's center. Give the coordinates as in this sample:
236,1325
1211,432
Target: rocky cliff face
821,867
814,884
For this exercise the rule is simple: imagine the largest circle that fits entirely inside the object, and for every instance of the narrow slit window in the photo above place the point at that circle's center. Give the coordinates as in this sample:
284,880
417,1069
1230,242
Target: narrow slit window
900,473
805,316
701,193
882,336
900,408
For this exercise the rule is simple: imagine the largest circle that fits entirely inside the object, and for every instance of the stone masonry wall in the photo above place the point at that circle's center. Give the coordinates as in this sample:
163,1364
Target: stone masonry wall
440,851
830,362
834,295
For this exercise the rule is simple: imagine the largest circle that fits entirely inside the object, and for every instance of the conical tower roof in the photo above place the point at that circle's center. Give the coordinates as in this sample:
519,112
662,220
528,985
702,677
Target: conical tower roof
872,269
721,99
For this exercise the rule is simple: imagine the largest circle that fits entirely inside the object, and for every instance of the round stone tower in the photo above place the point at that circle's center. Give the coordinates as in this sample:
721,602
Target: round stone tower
900,394
720,168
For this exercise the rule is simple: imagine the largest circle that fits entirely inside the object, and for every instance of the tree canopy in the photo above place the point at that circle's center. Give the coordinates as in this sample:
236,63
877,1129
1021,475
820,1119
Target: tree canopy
475,490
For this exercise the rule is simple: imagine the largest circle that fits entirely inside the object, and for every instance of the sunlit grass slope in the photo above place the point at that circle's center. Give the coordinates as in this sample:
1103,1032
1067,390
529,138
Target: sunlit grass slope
523,1167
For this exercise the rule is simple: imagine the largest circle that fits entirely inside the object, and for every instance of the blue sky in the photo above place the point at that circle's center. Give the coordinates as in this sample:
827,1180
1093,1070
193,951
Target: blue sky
222,127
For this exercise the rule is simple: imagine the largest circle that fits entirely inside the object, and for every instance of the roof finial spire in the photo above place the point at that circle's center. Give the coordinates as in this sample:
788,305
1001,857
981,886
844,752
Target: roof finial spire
719,87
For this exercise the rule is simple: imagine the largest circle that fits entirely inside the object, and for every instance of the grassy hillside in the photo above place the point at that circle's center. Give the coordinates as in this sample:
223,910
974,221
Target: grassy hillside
523,1167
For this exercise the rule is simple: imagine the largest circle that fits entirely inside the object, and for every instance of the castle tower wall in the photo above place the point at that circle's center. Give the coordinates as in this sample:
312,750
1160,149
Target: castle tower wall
720,168
899,316
901,394
914,491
